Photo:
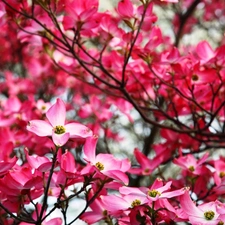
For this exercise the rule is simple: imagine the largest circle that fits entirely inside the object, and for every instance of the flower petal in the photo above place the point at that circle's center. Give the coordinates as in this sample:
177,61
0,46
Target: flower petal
40,128
90,148
91,217
57,113
115,203
189,206
117,175
78,130
60,139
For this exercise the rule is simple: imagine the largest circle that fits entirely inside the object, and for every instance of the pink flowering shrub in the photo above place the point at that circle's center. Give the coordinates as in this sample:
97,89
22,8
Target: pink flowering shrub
112,109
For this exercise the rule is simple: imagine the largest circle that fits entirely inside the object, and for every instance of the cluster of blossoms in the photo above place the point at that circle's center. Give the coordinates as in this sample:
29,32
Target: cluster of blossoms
106,65
41,175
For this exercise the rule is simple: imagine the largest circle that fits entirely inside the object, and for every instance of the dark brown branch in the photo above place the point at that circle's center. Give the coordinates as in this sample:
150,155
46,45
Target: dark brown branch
183,20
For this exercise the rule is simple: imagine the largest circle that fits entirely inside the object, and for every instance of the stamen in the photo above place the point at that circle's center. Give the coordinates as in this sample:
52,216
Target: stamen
191,168
136,202
153,193
195,77
222,174
99,165
59,129
209,215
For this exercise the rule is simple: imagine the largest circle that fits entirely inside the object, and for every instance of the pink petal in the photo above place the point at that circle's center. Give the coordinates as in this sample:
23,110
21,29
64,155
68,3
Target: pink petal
55,221
158,183
6,166
60,139
114,203
203,159
142,159
137,171
90,148
78,130
117,175
204,51
172,194
165,187
57,113
40,128
125,165
6,122
188,205
42,164
91,217
18,179
125,8
155,39
68,162
133,190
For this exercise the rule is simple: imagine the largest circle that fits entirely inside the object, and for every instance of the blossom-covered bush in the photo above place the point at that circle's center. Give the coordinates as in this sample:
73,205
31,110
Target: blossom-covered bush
112,108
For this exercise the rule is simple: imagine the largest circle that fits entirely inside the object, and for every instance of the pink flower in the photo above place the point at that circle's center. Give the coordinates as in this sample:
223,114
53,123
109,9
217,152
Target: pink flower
39,163
105,164
205,52
43,106
56,127
190,163
115,203
155,192
147,166
98,211
202,214
81,14
202,75
6,163
67,162
54,221
219,173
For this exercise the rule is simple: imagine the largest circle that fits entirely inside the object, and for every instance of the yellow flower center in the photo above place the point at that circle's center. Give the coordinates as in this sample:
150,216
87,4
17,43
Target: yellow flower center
153,193
43,107
222,174
220,223
209,215
59,129
191,168
99,165
136,202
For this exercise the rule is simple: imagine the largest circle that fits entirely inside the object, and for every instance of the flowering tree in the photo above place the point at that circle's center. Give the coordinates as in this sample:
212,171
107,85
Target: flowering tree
104,106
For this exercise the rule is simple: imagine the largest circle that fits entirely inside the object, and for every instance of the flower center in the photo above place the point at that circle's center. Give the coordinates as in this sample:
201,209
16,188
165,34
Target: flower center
99,165
59,129
191,168
153,193
209,215
194,77
222,174
136,202
105,212
220,223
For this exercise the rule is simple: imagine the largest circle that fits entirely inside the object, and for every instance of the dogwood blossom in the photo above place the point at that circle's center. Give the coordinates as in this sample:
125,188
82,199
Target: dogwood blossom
199,215
105,164
56,126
